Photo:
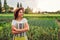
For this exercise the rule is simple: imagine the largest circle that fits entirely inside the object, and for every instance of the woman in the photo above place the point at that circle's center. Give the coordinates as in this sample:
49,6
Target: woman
19,25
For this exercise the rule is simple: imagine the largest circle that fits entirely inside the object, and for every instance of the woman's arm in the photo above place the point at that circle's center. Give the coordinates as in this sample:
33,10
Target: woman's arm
14,30
26,28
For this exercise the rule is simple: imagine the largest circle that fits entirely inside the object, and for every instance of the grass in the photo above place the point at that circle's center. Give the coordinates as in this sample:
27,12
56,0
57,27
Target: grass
42,26
32,14
40,29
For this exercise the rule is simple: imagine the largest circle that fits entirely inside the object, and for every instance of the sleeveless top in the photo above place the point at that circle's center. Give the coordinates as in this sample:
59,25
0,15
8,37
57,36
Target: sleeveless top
19,25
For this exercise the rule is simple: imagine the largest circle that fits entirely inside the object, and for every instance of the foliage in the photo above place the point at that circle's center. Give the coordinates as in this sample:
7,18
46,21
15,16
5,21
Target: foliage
28,10
18,4
0,7
40,28
6,6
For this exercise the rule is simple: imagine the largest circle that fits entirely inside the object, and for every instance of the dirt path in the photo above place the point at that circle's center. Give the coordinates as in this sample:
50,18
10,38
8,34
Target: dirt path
58,29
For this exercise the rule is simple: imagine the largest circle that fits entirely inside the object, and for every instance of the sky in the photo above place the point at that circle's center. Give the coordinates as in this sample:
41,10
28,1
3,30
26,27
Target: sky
36,5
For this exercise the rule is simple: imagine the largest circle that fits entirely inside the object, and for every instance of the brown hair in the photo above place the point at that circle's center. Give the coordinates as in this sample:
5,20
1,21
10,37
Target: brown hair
16,12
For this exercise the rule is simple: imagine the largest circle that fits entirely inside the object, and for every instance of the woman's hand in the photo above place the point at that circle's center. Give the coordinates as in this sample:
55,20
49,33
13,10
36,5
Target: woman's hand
26,28
14,30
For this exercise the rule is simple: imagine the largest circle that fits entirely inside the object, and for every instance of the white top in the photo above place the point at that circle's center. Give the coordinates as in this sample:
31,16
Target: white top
14,22
18,24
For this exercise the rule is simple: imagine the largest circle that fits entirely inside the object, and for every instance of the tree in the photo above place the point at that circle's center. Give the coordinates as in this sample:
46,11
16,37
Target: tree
10,9
18,5
28,10
0,7
6,6
58,12
38,11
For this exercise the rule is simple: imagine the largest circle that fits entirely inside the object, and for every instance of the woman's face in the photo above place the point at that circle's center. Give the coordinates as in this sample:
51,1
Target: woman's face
20,13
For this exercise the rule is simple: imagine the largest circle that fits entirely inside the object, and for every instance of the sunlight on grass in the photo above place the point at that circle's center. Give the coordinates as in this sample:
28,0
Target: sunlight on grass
32,14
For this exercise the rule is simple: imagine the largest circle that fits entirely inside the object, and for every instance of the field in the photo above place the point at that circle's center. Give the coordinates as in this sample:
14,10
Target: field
42,26
11,14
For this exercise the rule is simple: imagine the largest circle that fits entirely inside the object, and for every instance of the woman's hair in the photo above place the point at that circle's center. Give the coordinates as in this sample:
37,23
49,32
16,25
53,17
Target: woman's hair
17,11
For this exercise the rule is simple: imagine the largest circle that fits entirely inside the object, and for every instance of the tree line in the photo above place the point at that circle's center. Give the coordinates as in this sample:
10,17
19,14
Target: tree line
6,8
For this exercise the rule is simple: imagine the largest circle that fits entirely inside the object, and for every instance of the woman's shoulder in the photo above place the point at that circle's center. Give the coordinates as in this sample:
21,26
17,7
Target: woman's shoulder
13,20
24,19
